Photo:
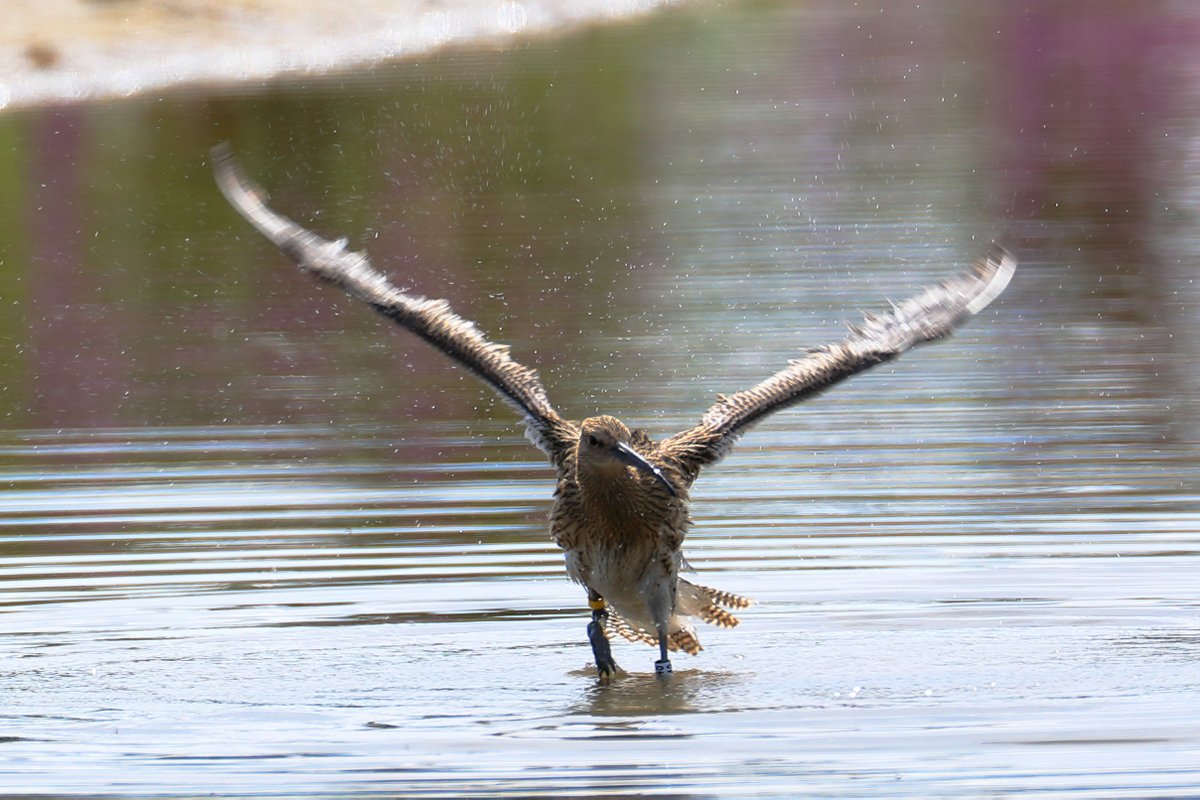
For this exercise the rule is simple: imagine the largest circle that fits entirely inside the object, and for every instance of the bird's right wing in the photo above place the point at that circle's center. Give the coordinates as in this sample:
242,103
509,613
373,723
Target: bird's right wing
432,320
932,314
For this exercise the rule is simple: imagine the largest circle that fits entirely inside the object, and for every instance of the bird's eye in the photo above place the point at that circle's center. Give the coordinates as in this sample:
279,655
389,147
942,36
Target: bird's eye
593,441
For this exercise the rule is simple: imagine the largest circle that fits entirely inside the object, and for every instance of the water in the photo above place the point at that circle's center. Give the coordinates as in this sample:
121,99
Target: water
254,542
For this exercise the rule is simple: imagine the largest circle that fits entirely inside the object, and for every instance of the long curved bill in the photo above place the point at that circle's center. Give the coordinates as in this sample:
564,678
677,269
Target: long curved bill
634,459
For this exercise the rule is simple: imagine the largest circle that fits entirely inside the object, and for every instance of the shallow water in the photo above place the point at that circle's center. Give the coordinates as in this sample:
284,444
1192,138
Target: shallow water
253,542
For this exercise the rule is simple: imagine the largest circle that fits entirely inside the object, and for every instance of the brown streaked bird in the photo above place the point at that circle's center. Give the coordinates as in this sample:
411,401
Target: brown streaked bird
621,503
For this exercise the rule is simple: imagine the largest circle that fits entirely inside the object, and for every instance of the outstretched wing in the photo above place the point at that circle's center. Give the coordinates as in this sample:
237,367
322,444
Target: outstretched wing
932,314
432,320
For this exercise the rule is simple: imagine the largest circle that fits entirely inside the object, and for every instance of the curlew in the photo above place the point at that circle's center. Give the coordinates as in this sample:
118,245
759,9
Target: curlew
620,509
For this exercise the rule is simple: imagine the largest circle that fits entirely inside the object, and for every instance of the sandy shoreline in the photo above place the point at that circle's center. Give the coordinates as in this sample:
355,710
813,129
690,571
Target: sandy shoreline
54,51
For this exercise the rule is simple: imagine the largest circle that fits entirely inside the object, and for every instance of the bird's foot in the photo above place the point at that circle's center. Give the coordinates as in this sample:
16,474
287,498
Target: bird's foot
663,667
601,650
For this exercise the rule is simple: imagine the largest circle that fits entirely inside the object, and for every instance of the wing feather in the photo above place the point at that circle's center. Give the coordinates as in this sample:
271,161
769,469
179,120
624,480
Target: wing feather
933,314
431,319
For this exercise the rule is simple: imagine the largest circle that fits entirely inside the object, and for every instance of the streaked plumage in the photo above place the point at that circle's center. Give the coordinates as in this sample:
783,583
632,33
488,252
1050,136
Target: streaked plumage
621,503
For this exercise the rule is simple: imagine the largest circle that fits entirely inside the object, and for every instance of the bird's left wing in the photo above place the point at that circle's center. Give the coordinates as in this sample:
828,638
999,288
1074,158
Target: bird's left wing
930,315
432,320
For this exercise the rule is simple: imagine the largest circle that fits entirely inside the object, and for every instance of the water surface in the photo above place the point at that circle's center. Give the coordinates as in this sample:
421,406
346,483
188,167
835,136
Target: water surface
253,541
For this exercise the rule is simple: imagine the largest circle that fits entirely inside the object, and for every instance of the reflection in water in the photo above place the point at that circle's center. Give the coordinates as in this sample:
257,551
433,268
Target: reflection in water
254,543
636,697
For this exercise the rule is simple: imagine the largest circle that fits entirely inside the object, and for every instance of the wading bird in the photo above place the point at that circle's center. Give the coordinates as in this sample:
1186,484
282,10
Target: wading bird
621,504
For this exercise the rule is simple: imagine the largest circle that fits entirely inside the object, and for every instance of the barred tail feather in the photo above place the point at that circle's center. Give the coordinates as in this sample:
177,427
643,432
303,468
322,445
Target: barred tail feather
692,600
727,599
715,615
683,639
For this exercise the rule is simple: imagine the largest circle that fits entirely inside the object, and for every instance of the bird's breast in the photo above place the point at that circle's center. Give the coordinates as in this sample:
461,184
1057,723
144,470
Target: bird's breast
612,538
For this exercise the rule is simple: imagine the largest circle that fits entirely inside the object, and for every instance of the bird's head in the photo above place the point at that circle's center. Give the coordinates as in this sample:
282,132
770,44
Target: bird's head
604,448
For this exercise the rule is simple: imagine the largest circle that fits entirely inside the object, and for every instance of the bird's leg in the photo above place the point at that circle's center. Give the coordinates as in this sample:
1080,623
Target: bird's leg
663,665
661,604
601,650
